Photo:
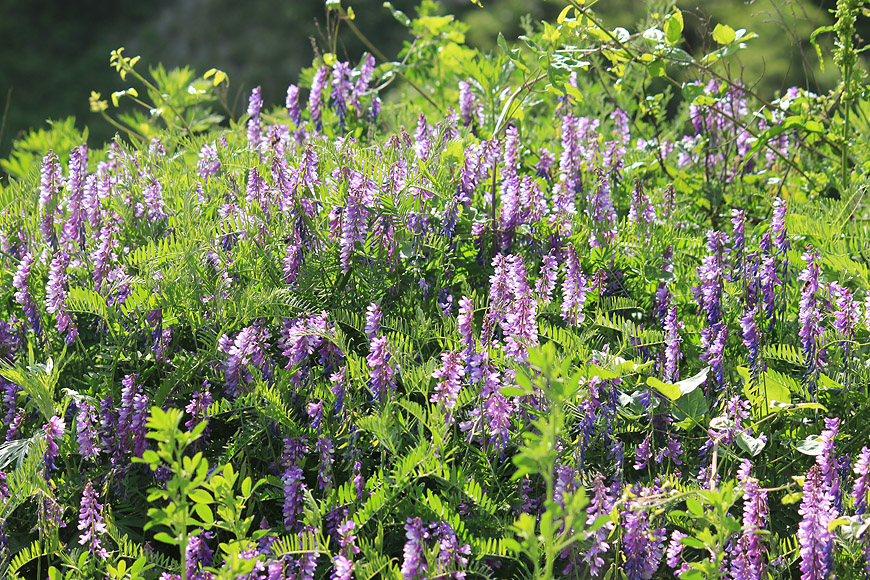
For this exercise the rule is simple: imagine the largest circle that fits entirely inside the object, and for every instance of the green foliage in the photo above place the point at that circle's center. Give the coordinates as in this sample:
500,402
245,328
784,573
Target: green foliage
479,334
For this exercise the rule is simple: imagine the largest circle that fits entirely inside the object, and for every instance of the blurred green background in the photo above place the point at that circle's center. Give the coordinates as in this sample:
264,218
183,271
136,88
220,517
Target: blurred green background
54,53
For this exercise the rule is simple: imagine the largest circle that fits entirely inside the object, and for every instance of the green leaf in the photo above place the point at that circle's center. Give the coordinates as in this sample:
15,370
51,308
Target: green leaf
200,496
724,34
166,538
691,406
691,542
694,506
751,444
693,382
669,390
656,68
812,445
150,456
512,391
674,27
204,513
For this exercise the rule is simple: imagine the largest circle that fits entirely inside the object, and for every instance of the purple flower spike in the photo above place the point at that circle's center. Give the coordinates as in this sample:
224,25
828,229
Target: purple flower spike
641,208
373,320
815,540
673,355
294,489
54,430
49,189
255,130
56,294
574,290
22,292
861,469
413,564
809,317
208,163
340,90
381,371
91,522
315,97
292,104
87,437
361,87
450,373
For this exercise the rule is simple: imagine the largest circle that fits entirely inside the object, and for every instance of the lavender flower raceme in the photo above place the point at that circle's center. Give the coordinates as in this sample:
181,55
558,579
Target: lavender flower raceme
828,463
574,289
152,197
208,163
469,109
641,207
137,424
340,90
198,406
675,549
49,189
380,370
292,104
87,437
91,522
54,430
255,128
360,194
413,563
452,558
670,370
861,469
752,341
600,210
249,347
778,230
294,489
600,506
56,294
324,473
547,282
22,293
643,542
197,556
366,72
129,389
815,540
520,323
373,320
78,167
846,316
748,554
315,98
809,317
450,373
343,561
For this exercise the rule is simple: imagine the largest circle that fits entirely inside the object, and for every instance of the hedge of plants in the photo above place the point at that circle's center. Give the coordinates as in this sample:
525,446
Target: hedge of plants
586,307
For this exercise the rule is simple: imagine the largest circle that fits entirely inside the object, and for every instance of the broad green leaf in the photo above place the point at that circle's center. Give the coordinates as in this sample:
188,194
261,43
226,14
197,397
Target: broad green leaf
692,405
669,390
674,27
165,538
747,442
724,34
812,445
200,496
693,382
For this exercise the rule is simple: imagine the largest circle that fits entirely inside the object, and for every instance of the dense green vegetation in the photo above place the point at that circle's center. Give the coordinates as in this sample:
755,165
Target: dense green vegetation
587,305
